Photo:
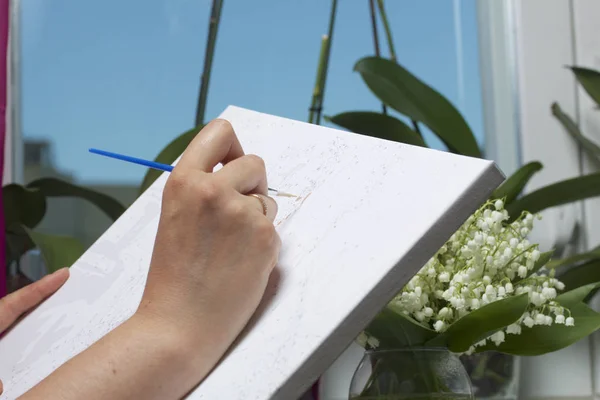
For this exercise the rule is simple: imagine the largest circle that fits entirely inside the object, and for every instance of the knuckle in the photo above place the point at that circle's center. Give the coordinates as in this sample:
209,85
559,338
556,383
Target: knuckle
256,162
265,232
207,192
235,211
223,126
176,183
182,186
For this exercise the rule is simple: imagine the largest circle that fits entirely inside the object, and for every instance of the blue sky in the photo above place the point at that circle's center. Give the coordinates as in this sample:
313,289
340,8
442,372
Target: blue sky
124,75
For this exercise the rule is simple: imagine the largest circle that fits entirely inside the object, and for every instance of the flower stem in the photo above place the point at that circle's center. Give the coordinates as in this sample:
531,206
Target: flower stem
213,26
388,31
390,41
375,38
316,103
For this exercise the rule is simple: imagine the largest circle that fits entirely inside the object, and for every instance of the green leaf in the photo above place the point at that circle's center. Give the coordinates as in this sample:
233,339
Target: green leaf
17,244
559,193
398,88
393,329
563,262
377,125
168,155
513,185
581,275
22,206
590,80
541,339
58,251
52,187
575,296
483,322
591,148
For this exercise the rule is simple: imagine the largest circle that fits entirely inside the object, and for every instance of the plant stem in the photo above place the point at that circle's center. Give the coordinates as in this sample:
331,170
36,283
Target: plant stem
213,26
388,31
375,38
390,41
326,61
416,126
315,103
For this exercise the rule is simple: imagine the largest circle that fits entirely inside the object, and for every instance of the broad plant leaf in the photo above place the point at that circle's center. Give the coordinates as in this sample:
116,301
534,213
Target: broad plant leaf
483,322
540,339
557,194
590,80
510,189
17,244
398,88
587,256
22,206
58,251
393,329
575,296
168,155
377,125
591,148
52,187
581,275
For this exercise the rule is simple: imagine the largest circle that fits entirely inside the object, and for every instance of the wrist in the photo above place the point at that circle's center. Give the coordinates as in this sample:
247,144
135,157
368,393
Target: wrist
188,351
160,337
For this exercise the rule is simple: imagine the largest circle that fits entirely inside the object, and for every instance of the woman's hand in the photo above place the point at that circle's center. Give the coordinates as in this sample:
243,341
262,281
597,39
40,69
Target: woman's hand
215,248
214,252
25,299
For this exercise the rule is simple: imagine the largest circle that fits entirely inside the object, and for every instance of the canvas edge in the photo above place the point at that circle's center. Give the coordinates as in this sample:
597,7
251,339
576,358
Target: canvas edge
331,348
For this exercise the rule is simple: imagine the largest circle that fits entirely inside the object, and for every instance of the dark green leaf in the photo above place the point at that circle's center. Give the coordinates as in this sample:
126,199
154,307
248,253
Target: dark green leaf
52,187
377,125
541,339
401,90
559,193
543,260
393,329
591,149
58,251
590,80
581,275
575,296
483,322
169,154
17,244
563,262
513,185
22,206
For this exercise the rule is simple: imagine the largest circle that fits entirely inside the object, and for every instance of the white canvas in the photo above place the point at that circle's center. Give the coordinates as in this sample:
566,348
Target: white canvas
370,214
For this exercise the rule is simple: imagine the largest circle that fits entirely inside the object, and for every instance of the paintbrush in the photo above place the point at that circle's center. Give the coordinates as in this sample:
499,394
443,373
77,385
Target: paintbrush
160,166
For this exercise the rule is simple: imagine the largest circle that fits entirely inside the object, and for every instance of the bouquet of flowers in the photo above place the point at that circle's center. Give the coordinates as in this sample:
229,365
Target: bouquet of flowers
487,288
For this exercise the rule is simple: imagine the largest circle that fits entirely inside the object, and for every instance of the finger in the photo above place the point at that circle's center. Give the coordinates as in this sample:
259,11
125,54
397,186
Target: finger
1,387
15,304
246,174
215,143
271,205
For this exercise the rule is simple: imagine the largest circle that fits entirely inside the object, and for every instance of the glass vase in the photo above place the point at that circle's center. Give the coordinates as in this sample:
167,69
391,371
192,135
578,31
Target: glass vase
494,376
412,373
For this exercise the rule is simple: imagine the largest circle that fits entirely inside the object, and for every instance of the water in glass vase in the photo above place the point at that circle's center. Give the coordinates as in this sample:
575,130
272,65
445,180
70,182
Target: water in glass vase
405,374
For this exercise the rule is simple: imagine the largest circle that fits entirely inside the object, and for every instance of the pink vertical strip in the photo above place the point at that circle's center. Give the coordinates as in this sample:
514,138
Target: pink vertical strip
4,23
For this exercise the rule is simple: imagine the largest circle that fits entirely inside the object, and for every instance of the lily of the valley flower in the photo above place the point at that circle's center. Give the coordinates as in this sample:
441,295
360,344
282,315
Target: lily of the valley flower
486,260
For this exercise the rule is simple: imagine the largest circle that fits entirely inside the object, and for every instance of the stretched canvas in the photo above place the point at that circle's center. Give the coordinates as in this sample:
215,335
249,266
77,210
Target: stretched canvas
368,215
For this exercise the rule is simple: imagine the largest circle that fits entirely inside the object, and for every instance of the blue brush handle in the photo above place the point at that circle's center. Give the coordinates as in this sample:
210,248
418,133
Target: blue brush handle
135,160
140,161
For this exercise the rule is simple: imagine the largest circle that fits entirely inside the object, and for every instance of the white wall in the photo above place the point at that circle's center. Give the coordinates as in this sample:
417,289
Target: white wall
549,35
